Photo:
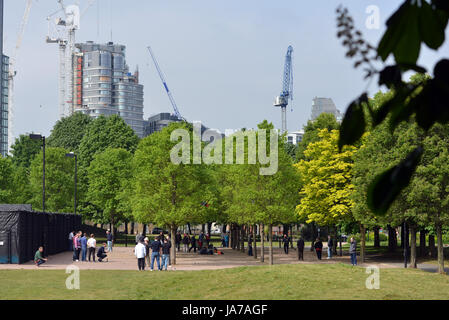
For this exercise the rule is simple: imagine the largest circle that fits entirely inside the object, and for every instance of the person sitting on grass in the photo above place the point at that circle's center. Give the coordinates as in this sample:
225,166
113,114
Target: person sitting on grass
38,258
101,255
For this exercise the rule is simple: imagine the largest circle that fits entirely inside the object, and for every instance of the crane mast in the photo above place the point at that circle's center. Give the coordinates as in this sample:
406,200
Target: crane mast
161,75
287,88
12,72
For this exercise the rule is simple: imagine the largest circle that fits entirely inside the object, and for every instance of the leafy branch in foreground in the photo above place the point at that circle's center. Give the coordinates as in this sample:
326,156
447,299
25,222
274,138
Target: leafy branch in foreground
413,24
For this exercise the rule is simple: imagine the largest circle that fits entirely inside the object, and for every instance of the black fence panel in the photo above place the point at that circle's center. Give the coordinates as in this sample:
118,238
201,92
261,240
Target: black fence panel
23,231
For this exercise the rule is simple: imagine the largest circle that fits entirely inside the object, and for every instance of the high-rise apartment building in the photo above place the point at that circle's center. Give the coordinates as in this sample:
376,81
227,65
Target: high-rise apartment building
4,86
103,84
324,105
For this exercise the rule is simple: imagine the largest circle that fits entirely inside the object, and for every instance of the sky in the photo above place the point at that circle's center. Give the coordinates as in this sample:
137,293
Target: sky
223,60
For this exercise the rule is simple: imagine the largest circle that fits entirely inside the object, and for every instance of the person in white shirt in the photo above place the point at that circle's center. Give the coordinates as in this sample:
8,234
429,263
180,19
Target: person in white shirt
140,251
91,247
71,235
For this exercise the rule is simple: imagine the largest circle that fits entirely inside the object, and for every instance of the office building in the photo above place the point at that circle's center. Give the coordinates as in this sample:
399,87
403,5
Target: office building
103,84
295,137
158,122
324,105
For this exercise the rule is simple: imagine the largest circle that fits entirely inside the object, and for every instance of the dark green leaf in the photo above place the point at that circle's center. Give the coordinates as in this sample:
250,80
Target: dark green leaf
402,35
431,27
353,125
390,76
387,186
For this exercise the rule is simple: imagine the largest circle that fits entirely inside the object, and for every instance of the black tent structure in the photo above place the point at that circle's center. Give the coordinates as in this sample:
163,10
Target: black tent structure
23,231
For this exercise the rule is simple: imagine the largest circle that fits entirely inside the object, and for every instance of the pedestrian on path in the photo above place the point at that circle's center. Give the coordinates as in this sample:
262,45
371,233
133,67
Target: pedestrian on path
77,247
193,243
185,242
300,245
330,246
286,241
146,242
318,248
178,239
110,240
83,247
353,251
140,252
165,254
71,235
101,255
155,253
38,257
91,247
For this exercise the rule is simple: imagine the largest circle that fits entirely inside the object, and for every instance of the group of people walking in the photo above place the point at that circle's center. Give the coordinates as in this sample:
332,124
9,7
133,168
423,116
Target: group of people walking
85,248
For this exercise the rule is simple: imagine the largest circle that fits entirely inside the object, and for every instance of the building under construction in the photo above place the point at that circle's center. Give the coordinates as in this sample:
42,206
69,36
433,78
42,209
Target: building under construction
103,84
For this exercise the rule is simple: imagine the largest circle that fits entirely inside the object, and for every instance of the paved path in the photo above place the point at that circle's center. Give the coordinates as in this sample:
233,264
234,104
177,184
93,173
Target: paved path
123,258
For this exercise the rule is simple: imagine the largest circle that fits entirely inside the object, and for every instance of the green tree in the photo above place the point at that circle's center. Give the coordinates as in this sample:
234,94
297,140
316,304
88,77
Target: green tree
250,197
6,180
103,133
166,193
325,177
109,173
68,132
311,130
412,25
59,181
24,150
429,189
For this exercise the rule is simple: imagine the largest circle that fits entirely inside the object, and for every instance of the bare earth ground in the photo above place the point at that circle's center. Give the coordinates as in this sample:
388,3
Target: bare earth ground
123,258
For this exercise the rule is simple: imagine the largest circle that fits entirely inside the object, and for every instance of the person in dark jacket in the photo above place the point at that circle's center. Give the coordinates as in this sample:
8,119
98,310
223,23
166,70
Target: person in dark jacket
178,239
318,248
155,254
186,242
300,245
286,241
330,246
353,251
101,255
193,243
165,254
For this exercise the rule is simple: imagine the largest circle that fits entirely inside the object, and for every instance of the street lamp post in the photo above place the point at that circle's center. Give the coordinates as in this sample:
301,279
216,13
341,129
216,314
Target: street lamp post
41,137
73,155
404,241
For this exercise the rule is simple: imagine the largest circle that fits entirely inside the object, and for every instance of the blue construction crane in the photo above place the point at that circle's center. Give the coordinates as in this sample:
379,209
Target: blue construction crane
287,88
170,96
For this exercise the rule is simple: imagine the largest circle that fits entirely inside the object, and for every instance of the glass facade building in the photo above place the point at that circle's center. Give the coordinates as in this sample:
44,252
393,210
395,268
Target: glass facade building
104,86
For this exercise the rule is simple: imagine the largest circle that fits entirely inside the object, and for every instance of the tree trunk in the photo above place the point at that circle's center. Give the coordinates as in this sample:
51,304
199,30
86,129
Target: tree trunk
432,245
126,227
270,232
440,249
262,243
132,227
144,231
173,230
362,243
392,241
422,243
376,237
412,246
242,239
255,242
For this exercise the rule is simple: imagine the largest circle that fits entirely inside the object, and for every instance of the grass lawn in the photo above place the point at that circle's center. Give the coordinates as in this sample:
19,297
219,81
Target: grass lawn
309,281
